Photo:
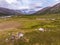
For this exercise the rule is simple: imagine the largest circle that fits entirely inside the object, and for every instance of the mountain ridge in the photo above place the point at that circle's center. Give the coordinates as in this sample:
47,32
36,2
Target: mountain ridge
46,10
50,10
7,12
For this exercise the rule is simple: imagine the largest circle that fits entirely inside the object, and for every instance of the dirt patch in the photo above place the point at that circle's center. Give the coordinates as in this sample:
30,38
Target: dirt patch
9,25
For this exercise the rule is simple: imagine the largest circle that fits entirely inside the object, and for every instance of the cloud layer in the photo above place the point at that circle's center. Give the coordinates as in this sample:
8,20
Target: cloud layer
27,4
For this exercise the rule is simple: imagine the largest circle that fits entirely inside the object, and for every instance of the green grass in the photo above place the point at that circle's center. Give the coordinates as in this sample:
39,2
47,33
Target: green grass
35,37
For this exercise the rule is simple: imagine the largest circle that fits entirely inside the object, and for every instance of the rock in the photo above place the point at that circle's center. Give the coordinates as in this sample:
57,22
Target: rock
41,29
20,35
12,37
52,19
6,39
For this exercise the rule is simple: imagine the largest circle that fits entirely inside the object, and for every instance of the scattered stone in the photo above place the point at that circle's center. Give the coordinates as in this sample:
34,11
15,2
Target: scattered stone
6,39
41,29
40,19
52,19
20,35
12,37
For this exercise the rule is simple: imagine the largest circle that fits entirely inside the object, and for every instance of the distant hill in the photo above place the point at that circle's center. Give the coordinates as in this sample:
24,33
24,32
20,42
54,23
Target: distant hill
50,10
6,12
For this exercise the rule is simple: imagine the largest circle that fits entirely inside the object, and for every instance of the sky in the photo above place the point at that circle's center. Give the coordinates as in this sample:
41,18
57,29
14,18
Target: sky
27,4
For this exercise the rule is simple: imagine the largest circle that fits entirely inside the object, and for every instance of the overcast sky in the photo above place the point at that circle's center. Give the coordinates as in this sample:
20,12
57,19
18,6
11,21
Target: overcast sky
27,4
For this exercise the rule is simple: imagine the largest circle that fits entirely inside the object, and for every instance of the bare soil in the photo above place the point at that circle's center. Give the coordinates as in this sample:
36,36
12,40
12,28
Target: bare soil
9,25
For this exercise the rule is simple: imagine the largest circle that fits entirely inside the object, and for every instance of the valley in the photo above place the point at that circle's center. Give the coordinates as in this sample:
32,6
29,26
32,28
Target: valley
30,22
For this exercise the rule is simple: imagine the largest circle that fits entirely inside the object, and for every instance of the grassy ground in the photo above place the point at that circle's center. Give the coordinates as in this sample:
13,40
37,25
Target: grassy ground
28,25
